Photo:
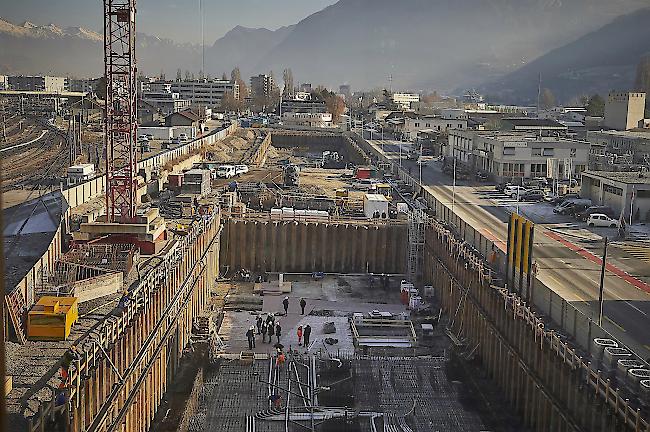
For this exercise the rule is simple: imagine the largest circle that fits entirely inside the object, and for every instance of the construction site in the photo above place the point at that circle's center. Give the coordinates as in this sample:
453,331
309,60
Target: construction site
322,289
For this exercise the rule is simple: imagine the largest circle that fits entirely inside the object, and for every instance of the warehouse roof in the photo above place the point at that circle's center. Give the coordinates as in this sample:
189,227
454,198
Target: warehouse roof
633,178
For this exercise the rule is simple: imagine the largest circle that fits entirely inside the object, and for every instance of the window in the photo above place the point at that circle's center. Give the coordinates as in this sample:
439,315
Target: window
613,190
508,151
417,124
548,152
573,152
537,151
428,124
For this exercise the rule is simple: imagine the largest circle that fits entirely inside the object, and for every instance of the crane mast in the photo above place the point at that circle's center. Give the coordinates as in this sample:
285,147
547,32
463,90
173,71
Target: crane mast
120,122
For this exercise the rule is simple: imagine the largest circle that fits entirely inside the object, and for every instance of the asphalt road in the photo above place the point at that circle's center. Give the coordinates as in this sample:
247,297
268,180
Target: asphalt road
568,268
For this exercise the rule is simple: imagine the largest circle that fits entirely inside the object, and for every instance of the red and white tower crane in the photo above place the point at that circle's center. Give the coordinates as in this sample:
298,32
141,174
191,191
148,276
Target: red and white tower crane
121,110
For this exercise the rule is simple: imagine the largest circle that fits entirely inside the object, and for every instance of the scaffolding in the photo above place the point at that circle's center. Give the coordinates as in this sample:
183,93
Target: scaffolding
417,223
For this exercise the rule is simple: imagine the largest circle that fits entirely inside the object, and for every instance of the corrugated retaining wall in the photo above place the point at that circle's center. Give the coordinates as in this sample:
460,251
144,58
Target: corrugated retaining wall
300,247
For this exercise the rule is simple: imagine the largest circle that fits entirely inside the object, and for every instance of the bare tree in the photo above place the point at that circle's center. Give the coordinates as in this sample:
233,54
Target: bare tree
547,99
642,82
179,74
288,83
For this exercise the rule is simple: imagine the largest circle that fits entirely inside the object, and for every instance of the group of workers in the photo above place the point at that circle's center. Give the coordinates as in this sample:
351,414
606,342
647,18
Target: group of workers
266,325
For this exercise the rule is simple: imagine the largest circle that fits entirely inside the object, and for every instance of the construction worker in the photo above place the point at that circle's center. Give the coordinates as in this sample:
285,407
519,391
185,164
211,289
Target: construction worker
264,329
303,303
278,331
250,334
306,334
259,322
69,357
280,359
299,333
276,399
285,303
271,330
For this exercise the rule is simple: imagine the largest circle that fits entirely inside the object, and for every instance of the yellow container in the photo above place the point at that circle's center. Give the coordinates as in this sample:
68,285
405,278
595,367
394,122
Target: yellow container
51,318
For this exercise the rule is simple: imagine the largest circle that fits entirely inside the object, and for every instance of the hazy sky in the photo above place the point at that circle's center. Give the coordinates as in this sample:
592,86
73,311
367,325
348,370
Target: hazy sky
175,19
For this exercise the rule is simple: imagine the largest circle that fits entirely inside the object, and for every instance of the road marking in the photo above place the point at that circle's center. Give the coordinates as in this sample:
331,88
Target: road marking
615,324
640,252
593,258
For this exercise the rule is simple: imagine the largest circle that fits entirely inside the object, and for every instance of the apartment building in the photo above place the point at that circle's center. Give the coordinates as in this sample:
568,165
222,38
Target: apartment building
448,120
162,99
83,85
262,86
406,101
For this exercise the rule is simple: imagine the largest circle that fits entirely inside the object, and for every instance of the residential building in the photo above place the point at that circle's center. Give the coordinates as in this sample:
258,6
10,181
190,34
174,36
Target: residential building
309,113
50,84
625,192
182,118
4,82
202,92
163,100
624,111
305,87
262,86
508,155
620,150
406,101
83,85
413,125
303,106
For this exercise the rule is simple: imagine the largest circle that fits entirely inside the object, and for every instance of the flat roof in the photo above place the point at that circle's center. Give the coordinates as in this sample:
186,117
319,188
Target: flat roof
635,133
635,178
376,197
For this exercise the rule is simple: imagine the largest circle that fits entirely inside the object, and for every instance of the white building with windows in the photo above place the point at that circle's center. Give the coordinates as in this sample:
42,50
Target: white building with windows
204,92
159,96
510,155
413,126
307,119
406,101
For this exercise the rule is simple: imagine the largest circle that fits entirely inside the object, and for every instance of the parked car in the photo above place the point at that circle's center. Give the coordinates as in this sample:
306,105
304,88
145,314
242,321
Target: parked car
601,220
514,191
584,215
149,136
143,138
567,206
501,186
364,184
532,195
241,169
183,137
562,198
176,141
576,209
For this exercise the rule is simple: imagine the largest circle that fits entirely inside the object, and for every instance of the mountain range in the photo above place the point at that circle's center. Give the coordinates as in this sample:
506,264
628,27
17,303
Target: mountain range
28,48
409,44
596,63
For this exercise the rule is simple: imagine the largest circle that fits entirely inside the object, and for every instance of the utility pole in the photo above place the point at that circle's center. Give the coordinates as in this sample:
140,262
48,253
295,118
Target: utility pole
602,284
539,93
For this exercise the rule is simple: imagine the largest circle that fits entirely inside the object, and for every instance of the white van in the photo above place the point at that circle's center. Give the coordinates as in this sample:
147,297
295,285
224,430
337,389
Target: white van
241,169
226,171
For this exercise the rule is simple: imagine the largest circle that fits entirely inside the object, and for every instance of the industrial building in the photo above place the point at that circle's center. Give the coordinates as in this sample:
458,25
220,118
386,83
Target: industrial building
627,193
160,97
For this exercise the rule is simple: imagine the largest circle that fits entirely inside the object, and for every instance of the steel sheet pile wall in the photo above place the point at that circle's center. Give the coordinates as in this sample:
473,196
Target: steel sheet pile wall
145,343
320,142
546,382
308,247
